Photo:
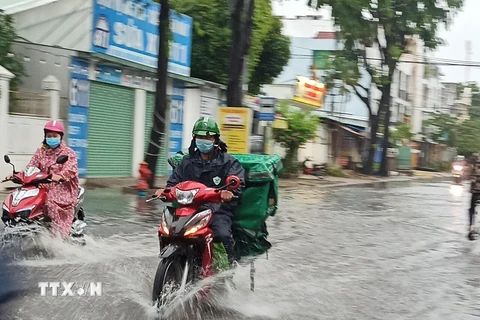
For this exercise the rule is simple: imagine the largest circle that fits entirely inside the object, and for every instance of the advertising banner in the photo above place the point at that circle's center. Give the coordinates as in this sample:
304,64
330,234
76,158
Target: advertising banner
234,125
128,30
79,96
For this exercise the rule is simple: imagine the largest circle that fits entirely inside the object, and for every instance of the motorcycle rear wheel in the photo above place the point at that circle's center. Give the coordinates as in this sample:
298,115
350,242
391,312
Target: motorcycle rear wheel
167,280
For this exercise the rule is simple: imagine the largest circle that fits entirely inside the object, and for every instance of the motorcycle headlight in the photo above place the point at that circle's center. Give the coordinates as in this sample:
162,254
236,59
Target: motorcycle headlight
457,168
163,225
185,197
198,222
19,195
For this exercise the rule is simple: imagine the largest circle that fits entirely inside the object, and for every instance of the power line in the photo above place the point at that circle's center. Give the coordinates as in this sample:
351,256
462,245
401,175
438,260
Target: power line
428,60
460,63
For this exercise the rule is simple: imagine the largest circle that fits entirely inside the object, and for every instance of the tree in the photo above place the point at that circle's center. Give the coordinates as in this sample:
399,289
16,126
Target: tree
241,19
467,137
301,128
443,129
11,62
273,58
386,27
402,131
157,134
269,51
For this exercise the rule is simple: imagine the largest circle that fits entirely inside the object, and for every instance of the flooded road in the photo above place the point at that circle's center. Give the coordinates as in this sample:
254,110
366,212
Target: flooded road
396,251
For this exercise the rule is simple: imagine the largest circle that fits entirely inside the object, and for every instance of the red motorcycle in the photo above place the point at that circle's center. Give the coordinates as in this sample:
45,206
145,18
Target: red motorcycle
186,241
24,209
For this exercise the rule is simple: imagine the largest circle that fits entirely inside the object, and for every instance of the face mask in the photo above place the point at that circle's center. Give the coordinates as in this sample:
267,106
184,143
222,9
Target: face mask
205,146
53,142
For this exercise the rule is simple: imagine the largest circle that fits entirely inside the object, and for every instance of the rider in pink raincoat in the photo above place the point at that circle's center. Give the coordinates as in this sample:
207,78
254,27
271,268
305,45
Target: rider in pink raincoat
61,197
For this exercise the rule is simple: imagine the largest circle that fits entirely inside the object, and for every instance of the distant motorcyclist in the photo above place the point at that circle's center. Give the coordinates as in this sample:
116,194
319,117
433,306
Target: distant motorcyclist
475,191
209,163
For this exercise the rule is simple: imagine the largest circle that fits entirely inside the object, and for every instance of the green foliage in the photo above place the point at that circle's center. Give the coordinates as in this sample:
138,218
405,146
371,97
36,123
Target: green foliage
12,63
302,127
444,129
468,137
269,51
274,56
403,132
335,172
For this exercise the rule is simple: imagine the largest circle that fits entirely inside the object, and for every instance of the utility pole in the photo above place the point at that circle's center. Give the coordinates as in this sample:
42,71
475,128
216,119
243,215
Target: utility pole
468,54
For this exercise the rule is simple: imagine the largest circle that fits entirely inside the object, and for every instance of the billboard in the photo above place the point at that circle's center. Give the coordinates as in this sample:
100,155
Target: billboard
128,30
79,96
309,92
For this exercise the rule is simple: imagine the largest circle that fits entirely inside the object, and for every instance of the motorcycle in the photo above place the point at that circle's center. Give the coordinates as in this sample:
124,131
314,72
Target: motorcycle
457,172
23,211
186,241
315,169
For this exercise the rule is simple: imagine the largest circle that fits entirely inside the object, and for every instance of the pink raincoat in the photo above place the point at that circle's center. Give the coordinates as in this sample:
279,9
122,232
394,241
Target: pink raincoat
61,197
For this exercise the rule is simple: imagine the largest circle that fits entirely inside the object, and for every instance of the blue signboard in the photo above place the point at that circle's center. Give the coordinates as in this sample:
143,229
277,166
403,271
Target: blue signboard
108,74
176,117
129,30
262,116
78,112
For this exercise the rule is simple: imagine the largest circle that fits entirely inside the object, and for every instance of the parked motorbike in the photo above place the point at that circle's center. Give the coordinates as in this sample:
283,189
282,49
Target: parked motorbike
457,172
186,241
314,169
23,211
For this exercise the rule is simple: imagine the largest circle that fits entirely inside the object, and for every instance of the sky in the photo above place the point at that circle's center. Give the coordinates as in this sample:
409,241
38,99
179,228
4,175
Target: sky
464,28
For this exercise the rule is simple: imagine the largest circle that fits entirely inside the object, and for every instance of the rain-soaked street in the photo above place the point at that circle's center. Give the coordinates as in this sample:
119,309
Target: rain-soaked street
389,251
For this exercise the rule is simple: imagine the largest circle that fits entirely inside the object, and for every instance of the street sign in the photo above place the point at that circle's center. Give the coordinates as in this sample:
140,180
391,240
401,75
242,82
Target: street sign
263,116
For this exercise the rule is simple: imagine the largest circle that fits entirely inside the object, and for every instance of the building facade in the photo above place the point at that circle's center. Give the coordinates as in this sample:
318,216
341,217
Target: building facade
104,55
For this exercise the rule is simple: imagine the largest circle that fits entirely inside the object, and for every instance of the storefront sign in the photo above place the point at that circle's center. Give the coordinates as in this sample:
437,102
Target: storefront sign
235,128
309,92
78,113
176,118
128,78
128,30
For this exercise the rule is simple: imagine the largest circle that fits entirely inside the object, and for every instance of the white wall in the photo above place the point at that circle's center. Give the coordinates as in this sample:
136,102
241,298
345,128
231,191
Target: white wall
139,130
279,91
26,136
191,113
317,149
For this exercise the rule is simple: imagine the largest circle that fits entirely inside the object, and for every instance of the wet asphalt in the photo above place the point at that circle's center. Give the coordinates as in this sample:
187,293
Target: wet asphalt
384,251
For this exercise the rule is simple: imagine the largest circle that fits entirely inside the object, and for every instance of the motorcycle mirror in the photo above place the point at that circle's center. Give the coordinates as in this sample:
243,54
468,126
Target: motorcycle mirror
62,159
6,158
233,182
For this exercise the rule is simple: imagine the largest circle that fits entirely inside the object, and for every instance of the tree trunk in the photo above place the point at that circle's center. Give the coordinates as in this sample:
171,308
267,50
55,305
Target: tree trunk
373,140
386,129
157,134
241,38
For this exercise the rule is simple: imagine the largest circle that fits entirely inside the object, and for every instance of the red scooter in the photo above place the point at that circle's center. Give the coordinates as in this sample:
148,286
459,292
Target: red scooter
186,241
24,209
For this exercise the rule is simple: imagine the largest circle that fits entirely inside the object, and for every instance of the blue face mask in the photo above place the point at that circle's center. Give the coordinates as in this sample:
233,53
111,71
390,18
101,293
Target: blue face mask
53,142
204,146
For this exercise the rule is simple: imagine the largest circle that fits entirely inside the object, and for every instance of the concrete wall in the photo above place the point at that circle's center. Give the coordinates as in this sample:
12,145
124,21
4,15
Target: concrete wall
25,137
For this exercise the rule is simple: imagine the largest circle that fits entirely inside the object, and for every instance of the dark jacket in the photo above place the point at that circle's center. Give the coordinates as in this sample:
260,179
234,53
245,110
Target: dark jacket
475,176
211,173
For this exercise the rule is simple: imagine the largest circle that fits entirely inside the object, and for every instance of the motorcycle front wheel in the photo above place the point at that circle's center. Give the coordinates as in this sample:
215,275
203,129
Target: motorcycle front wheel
167,280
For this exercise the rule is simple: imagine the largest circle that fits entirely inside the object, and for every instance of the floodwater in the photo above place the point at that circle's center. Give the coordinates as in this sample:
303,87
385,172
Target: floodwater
387,251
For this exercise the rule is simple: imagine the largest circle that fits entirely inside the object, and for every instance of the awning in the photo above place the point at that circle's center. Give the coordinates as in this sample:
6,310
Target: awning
351,131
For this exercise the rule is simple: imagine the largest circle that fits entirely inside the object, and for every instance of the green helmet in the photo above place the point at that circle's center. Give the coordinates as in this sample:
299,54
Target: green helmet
205,126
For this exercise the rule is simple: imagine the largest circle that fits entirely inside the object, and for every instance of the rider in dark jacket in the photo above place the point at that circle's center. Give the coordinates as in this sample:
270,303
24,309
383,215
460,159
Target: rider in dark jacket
475,191
209,163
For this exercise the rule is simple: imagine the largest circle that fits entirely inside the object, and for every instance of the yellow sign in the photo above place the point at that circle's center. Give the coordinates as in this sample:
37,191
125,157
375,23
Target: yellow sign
235,128
309,91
